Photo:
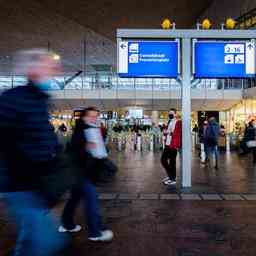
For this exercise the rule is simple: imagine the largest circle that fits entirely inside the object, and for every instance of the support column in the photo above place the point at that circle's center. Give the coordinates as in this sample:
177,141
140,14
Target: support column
155,117
186,113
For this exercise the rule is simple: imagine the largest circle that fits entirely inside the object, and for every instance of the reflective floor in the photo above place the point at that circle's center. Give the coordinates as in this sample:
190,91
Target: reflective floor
142,173
215,218
180,228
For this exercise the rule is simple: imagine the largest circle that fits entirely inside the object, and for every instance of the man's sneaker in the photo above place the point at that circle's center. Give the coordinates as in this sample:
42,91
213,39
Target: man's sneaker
76,229
106,236
165,179
170,182
173,182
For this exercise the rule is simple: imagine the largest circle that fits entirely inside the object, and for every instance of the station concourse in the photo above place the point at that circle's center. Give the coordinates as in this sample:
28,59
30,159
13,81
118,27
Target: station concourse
135,63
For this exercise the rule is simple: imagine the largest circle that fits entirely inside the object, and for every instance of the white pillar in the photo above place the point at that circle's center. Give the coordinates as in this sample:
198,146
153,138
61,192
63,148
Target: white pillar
119,144
228,143
152,142
186,113
139,143
155,117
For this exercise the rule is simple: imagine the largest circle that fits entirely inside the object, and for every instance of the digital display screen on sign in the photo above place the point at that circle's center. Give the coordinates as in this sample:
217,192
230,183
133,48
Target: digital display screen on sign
224,59
148,59
136,113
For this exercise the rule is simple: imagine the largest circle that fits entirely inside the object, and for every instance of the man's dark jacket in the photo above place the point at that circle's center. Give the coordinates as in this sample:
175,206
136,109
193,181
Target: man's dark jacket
28,144
212,134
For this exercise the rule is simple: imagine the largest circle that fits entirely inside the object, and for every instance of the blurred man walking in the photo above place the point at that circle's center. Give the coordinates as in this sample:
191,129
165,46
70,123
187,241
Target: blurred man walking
28,151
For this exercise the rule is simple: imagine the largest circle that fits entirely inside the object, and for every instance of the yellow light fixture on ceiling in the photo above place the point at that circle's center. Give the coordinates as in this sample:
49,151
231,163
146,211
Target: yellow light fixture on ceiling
206,24
166,24
230,23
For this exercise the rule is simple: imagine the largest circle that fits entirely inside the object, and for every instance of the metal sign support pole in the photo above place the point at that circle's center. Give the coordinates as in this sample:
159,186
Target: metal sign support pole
186,113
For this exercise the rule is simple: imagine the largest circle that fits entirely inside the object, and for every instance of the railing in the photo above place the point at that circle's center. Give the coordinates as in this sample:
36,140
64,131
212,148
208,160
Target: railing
113,82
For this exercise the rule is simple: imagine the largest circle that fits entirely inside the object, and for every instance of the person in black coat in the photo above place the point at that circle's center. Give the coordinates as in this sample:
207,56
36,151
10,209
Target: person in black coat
88,151
211,141
28,150
250,135
201,135
63,128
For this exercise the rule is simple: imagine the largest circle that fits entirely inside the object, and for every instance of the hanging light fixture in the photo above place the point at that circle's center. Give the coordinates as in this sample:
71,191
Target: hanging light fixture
206,24
166,24
230,23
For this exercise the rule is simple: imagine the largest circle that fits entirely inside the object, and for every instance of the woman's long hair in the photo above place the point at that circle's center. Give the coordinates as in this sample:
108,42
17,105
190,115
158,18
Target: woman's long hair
78,139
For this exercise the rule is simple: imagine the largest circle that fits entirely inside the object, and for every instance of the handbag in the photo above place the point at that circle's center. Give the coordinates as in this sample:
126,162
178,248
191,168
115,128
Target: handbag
251,144
60,179
107,170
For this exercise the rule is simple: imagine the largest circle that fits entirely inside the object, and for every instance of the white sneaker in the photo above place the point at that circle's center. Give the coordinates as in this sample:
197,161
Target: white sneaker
170,182
76,229
165,179
106,236
173,182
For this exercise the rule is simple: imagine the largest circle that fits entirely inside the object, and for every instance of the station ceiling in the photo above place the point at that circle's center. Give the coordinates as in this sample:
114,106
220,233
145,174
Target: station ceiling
105,16
64,25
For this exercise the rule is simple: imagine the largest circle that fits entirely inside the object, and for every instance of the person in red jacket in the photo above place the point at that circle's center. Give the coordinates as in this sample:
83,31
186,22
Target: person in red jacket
172,134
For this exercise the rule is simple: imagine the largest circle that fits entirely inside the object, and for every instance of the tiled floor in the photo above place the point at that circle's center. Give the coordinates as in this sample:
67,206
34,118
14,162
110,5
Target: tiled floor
164,227
216,217
142,173
169,196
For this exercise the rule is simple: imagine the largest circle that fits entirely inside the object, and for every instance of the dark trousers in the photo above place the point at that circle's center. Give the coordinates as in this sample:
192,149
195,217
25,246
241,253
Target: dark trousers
168,161
211,153
254,155
88,194
36,226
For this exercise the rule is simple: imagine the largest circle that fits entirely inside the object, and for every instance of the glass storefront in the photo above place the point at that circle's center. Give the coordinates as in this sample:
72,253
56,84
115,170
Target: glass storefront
238,116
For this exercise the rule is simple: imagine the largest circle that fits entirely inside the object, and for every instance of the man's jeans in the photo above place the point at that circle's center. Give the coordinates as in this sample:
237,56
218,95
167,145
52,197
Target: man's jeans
37,230
87,192
212,155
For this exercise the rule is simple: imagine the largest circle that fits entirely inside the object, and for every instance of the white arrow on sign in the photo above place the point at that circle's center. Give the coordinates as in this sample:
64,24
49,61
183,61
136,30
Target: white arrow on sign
123,57
250,66
123,46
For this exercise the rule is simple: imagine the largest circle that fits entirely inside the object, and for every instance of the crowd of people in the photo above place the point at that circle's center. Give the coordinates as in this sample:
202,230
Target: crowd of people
30,158
209,136
212,138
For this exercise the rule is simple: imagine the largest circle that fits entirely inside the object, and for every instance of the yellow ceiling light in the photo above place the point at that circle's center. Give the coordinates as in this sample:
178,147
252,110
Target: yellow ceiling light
206,24
56,57
166,24
230,23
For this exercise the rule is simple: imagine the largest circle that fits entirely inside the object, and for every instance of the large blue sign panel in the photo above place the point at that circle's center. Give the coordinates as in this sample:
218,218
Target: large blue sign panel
224,59
148,59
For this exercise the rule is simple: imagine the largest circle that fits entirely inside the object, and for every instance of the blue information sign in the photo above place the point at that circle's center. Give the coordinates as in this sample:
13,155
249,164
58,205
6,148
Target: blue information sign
148,59
224,59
